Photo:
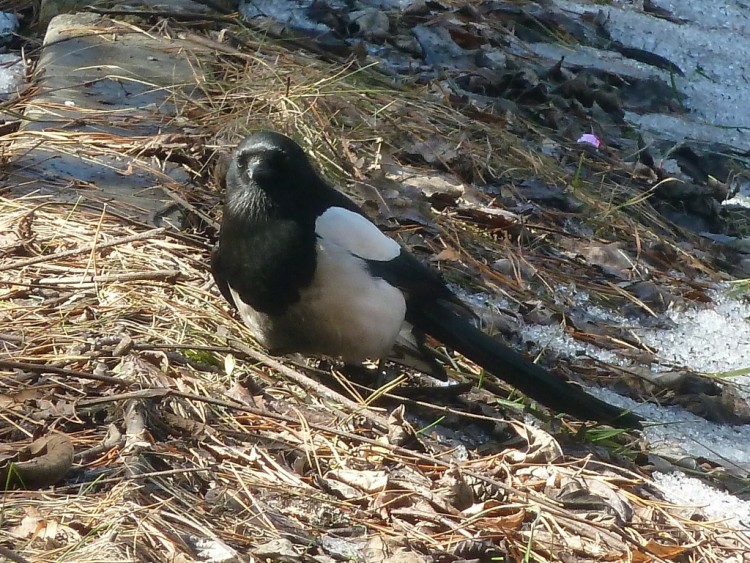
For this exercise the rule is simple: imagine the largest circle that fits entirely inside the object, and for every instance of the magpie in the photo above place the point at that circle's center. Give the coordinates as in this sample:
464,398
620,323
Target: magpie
309,273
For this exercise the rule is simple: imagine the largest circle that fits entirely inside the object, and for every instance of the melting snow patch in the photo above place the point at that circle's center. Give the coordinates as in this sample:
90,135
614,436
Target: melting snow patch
712,339
554,337
709,338
711,46
717,505
676,433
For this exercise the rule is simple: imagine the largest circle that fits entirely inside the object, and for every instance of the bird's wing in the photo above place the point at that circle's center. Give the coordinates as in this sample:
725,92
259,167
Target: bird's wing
220,276
353,231
385,258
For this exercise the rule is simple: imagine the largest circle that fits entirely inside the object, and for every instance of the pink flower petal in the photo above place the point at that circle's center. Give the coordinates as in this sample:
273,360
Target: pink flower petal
590,139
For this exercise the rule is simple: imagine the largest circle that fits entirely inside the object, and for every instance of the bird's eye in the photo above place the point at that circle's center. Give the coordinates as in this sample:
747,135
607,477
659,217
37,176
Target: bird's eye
242,160
250,160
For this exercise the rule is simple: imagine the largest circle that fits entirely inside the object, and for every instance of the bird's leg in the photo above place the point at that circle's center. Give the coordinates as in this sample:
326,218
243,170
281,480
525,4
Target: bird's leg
420,391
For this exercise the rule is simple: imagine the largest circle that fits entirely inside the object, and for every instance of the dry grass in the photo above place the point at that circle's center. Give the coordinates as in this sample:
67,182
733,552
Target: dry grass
188,444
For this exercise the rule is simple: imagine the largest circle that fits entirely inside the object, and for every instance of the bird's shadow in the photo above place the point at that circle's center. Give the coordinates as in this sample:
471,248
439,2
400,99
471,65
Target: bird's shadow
456,415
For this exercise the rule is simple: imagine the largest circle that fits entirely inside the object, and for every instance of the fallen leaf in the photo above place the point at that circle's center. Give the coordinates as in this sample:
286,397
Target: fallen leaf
229,364
22,396
666,551
277,549
400,432
593,496
366,480
42,463
35,526
542,447
455,490
447,255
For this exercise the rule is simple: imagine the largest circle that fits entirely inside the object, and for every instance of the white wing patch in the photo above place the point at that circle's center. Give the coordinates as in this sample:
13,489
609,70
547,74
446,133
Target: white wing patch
352,231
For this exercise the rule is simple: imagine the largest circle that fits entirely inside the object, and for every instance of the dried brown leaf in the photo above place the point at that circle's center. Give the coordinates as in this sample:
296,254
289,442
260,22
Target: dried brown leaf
367,480
42,463
541,446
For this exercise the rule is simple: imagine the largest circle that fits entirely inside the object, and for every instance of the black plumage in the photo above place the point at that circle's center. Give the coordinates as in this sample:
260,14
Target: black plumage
310,273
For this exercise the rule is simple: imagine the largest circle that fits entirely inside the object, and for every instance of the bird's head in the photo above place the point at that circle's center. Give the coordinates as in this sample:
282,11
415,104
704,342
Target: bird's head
270,166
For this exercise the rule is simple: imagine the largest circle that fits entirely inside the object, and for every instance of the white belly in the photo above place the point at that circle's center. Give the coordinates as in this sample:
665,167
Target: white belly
345,312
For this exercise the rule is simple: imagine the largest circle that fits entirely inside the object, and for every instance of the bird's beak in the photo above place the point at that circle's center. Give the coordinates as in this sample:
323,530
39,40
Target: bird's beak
259,169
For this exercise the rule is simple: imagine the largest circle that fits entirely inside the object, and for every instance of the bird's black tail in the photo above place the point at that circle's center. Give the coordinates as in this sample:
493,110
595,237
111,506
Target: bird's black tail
458,333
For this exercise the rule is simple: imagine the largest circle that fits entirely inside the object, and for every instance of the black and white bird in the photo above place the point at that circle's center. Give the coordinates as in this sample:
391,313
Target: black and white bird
308,272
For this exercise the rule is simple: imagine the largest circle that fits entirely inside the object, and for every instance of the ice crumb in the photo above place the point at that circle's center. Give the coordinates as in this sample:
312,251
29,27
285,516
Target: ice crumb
716,505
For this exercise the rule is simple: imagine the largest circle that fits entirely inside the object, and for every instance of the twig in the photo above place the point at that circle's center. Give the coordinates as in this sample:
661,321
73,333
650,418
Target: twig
422,515
85,456
148,393
12,555
88,248
169,275
223,48
179,16
201,347
43,368
138,476
11,338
